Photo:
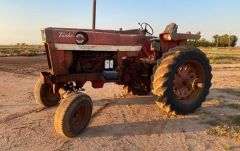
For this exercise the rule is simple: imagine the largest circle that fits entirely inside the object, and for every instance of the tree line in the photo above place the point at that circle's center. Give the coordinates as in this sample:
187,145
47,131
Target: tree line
218,41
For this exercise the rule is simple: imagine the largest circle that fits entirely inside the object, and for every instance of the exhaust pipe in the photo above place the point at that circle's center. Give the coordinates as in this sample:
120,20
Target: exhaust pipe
94,15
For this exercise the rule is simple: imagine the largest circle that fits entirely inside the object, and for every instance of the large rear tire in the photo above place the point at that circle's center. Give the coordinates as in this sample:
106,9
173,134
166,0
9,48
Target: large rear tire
181,80
73,114
43,94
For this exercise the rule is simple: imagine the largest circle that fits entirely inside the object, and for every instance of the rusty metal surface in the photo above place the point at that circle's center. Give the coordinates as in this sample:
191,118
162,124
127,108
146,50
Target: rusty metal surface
96,37
182,83
67,58
79,77
46,77
179,36
48,56
188,81
166,45
60,60
95,78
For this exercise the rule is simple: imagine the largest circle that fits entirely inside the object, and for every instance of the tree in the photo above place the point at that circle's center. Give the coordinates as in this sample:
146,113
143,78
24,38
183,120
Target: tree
225,40
234,40
201,43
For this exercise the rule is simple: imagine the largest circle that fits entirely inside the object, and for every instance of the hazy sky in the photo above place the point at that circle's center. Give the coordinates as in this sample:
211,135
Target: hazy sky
21,20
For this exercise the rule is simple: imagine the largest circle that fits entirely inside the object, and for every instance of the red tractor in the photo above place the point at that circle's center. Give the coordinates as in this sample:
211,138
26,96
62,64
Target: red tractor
178,76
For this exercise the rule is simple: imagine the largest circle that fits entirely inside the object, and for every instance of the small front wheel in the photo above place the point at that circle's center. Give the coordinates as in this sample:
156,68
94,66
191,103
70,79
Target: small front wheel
44,95
73,114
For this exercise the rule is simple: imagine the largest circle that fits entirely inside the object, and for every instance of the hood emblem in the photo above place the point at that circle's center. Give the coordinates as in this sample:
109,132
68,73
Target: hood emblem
81,38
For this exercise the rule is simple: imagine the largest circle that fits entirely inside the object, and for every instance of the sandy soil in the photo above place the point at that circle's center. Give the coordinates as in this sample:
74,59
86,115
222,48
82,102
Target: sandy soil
131,123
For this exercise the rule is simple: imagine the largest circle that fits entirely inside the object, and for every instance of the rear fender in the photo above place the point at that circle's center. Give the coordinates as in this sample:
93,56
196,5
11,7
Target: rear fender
171,40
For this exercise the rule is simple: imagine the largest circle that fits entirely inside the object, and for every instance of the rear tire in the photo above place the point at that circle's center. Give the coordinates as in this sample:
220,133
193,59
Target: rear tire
73,114
181,80
43,94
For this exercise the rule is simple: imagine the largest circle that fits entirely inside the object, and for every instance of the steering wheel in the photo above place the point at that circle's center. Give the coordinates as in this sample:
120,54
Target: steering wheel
147,28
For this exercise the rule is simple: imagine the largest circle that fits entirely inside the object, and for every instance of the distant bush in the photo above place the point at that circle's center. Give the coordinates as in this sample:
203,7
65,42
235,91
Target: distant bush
225,40
21,50
218,41
201,43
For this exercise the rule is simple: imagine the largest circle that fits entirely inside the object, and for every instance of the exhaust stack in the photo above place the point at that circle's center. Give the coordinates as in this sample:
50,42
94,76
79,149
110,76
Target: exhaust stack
94,15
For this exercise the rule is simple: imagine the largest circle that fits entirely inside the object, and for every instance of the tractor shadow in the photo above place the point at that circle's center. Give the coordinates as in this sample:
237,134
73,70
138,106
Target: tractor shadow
165,124
224,93
132,100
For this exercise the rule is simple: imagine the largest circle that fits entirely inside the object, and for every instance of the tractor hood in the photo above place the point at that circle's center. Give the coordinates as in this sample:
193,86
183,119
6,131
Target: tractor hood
94,40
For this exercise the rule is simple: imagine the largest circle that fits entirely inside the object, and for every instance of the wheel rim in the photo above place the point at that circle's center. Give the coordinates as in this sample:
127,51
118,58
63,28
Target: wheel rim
79,117
188,82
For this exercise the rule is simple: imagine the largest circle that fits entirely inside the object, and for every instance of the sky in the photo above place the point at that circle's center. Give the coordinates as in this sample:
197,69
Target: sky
21,20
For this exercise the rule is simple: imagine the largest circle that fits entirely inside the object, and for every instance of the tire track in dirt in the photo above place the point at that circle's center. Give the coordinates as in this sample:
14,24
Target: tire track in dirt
18,115
100,110
123,115
106,105
184,140
130,111
64,145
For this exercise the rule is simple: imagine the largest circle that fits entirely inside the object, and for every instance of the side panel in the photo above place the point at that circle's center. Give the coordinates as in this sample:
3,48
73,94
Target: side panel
60,60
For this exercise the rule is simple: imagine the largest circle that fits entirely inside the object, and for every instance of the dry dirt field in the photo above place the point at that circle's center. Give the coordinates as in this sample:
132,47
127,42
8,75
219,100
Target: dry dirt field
118,123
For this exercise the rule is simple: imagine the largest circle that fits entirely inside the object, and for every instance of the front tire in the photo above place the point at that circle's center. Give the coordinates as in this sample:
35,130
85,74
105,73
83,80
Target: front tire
73,114
181,80
43,94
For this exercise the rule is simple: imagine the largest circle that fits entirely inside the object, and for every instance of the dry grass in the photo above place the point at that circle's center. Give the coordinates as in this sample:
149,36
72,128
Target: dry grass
232,132
210,119
233,106
21,50
235,119
223,55
229,128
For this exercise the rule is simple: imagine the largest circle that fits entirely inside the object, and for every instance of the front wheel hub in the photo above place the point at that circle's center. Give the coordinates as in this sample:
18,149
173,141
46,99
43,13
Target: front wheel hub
197,84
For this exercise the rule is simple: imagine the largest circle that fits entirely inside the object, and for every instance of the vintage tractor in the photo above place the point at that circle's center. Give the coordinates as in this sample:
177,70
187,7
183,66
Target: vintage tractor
178,76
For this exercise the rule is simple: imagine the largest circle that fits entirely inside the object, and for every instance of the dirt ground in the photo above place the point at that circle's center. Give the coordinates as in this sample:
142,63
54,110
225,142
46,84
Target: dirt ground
119,123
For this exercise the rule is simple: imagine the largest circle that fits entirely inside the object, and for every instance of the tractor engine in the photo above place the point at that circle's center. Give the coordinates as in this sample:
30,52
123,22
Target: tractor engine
135,76
91,62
